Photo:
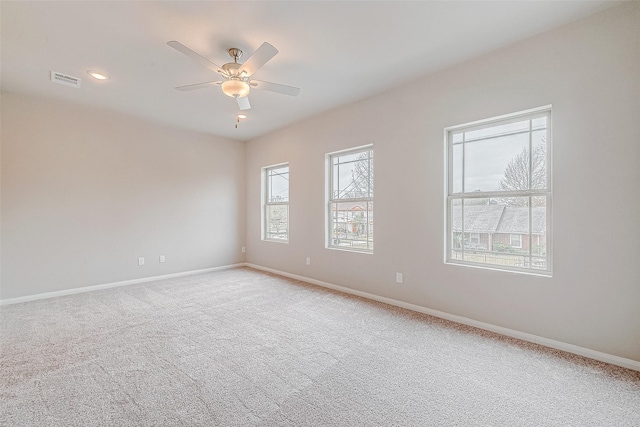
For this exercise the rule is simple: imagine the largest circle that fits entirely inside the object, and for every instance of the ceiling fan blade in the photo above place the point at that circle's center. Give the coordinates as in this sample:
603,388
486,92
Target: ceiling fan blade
195,56
198,86
243,103
275,87
258,59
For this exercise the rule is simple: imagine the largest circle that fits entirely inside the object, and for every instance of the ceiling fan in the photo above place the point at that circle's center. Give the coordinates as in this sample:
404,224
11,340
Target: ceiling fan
237,81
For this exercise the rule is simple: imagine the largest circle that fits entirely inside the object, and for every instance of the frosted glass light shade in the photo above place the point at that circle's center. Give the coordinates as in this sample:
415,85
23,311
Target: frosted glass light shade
235,88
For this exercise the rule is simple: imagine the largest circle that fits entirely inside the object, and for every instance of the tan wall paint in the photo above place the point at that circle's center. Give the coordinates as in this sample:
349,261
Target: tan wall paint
590,72
85,192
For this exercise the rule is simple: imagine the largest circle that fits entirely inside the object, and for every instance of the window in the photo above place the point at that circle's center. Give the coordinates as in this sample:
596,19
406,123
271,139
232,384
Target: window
350,200
499,192
275,213
474,238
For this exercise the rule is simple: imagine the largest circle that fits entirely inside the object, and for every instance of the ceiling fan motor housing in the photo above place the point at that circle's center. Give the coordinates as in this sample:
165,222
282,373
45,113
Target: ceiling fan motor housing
231,69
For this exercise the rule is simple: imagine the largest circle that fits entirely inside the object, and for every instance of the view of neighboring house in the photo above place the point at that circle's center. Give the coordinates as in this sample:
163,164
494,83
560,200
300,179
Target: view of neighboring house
500,228
353,225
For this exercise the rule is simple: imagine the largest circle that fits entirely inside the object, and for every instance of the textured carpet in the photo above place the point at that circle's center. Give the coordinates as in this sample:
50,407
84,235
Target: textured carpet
242,348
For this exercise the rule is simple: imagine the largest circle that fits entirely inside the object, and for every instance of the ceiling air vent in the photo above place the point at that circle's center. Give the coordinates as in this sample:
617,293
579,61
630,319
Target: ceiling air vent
65,79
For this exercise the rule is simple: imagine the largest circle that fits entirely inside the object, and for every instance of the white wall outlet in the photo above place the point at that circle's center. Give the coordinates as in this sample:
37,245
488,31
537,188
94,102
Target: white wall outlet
398,277
308,261
162,259
244,249
141,260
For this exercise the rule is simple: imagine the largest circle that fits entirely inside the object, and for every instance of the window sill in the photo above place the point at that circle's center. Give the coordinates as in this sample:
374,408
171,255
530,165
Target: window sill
344,249
529,272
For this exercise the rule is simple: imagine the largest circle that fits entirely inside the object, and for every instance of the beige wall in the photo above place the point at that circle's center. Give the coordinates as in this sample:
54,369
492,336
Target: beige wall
85,192
590,72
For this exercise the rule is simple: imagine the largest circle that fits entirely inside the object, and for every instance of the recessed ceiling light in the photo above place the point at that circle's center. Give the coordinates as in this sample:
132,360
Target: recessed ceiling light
242,116
97,75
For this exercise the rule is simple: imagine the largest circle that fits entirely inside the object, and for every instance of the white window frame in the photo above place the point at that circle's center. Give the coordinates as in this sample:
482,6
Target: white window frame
519,236
547,193
330,240
266,203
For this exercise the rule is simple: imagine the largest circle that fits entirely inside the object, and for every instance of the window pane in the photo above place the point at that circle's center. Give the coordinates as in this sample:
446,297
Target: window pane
539,123
346,187
352,176
539,263
512,232
352,225
347,158
496,231
479,218
370,176
456,163
539,160
277,222
538,227
335,179
498,130
278,184
456,229
497,164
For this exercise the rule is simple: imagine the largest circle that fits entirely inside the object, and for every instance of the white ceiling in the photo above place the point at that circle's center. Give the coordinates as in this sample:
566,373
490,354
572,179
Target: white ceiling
336,52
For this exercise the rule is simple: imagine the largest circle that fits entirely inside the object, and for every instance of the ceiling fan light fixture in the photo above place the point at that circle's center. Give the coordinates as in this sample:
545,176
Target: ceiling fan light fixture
235,88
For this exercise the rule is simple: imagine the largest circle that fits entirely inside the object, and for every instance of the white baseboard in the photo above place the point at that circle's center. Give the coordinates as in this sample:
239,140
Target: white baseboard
112,285
547,342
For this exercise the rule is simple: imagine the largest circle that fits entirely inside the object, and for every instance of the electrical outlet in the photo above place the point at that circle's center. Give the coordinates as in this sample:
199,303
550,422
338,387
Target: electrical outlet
244,249
141,260
162,259
398,277
308,261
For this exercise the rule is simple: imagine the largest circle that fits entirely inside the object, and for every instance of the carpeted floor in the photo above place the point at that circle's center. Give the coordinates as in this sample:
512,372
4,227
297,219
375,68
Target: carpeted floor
243,348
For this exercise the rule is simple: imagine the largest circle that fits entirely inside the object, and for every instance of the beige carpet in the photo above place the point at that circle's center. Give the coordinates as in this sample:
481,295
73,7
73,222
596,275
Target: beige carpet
243,348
